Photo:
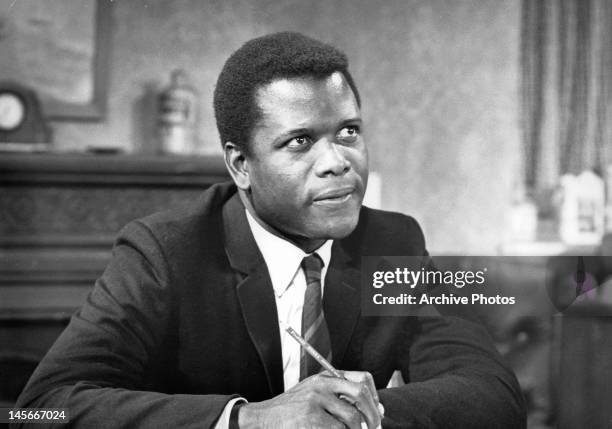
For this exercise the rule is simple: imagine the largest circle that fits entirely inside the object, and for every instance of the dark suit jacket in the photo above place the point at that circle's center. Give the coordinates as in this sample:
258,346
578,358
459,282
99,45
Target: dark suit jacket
184,317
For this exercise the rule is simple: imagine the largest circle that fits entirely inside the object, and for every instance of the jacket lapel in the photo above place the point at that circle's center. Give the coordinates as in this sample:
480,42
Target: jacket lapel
341,300
255,292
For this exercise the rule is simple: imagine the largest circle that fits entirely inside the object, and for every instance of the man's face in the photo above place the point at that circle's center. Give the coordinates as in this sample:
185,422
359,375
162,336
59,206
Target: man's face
308,163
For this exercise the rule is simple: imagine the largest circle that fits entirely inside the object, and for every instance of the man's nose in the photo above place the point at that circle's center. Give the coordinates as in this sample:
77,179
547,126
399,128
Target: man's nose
330,159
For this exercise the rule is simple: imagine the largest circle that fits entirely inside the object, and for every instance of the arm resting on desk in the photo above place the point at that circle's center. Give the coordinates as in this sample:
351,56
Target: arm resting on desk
455,379
100,367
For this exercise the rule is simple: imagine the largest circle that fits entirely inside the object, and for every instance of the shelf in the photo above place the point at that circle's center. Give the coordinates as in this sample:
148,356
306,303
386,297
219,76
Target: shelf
112,170
544,248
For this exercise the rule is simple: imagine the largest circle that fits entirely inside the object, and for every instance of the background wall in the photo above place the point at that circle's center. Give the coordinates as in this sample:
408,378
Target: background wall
438,79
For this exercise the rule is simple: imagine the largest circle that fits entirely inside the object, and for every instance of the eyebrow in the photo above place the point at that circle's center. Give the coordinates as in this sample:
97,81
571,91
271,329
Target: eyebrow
355,120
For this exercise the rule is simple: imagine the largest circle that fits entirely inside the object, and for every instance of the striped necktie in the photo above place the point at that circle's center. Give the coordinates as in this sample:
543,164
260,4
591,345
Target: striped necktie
314,327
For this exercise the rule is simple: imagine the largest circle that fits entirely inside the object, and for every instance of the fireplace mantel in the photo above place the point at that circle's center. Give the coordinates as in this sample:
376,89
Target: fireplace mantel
60,213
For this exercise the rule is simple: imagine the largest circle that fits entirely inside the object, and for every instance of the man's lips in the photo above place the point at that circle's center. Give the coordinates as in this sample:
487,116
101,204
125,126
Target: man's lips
335,195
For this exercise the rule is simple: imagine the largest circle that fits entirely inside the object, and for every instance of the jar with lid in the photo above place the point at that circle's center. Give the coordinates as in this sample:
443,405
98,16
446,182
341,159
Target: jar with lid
177,108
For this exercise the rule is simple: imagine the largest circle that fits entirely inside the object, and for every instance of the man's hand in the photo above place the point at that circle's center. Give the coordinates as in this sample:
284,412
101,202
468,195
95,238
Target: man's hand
320,401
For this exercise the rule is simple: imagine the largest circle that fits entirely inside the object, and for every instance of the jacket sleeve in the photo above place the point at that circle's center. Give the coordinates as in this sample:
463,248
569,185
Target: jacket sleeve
97,367
455,378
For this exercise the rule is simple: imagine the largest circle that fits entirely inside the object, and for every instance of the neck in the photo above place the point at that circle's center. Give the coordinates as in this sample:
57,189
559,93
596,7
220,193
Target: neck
308,245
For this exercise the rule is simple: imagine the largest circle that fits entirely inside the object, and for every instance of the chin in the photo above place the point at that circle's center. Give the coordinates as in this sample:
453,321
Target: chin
340,228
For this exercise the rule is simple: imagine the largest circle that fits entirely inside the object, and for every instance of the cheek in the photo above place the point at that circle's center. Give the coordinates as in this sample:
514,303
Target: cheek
280,175
276,187
359,162
264,175
357,153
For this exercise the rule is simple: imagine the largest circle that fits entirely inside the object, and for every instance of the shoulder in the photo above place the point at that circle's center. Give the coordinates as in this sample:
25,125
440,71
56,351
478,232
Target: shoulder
180,226
381,232
209,203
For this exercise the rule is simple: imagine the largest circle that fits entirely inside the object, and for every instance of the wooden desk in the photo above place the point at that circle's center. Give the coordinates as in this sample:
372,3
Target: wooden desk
583,367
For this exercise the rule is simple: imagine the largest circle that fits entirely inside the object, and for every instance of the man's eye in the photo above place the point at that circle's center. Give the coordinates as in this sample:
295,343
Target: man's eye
297,142
348,134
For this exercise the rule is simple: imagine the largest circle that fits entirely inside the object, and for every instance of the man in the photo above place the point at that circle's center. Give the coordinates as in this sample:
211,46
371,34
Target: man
185,325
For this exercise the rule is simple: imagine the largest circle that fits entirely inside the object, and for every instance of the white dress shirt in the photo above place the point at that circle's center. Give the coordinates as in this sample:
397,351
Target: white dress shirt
283,260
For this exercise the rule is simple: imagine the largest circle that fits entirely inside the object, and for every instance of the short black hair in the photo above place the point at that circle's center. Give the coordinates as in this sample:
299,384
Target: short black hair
260,61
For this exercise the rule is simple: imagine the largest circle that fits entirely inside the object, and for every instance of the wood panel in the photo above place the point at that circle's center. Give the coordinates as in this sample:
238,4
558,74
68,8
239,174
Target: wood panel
583,368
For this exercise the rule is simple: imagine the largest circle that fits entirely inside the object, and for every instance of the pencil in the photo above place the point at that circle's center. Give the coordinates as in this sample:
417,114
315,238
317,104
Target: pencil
322,361
313,352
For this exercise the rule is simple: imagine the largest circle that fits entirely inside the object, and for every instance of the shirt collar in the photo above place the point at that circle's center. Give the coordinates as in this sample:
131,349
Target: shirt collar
283,258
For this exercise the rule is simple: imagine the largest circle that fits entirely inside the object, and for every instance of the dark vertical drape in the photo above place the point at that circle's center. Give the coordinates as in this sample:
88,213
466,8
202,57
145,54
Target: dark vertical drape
533,68
566,65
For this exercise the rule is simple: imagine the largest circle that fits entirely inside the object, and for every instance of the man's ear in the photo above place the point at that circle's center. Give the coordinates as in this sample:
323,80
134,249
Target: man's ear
237,165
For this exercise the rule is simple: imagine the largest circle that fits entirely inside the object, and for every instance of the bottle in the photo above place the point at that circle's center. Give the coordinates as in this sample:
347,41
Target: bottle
523,219
582,209
177,115
608,184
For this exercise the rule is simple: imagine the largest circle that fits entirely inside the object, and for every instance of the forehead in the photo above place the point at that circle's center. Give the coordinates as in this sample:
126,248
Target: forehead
299,100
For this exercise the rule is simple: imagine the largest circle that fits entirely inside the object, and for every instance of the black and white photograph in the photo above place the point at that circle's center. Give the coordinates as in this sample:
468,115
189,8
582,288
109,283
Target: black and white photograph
306,214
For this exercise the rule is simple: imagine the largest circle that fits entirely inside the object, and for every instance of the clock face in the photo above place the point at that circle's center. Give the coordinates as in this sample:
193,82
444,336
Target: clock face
12,111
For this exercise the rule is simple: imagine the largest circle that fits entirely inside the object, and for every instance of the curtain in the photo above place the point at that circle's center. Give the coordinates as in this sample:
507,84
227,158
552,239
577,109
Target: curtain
566,61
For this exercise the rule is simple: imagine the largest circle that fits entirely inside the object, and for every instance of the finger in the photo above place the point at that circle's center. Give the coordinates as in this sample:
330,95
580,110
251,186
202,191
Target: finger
340,405
362,377
343,411
369,413
357,394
